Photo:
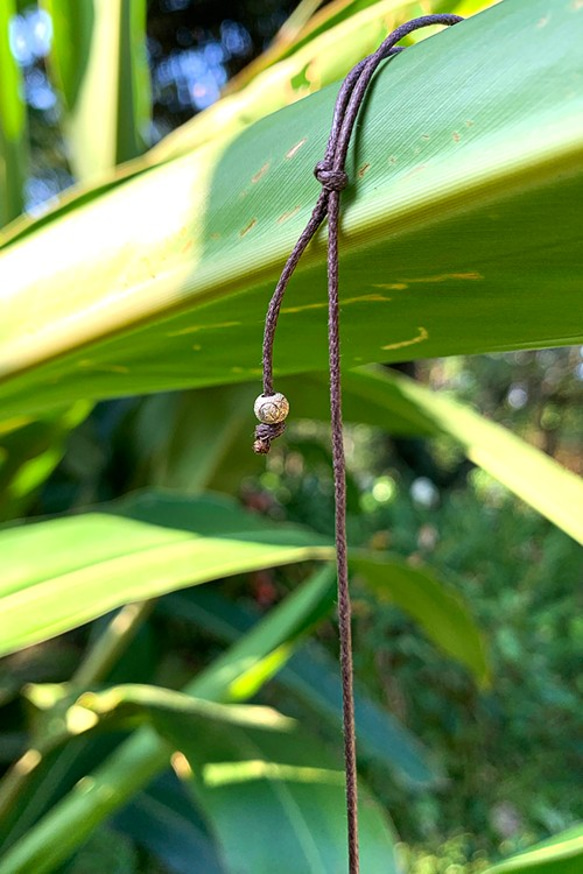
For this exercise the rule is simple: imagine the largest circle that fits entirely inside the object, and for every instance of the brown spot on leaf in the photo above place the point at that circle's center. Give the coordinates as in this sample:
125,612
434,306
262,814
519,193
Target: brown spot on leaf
416,170
392,159
295,149
260,173
248,227
425,137
445,277
455,137
287,215
362,170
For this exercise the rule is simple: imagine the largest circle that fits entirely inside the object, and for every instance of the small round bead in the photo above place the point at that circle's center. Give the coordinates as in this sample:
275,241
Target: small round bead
271,409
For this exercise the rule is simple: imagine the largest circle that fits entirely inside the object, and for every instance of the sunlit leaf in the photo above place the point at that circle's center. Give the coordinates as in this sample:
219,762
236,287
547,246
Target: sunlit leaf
63,572
535,477
99,65
277,805
441,614
561,854
312,676
457,233
130,767
13,126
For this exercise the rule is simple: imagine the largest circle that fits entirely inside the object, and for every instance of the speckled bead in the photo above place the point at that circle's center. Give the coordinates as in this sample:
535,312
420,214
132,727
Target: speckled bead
271,409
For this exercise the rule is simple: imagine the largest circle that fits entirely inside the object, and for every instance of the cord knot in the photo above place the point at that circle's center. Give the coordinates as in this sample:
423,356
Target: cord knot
264,434
329,178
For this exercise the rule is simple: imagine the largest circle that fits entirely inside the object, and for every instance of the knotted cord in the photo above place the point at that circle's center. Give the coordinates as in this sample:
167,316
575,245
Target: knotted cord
271,408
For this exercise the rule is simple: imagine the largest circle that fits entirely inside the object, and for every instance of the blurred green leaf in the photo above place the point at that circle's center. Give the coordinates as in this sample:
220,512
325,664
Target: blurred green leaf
30,453
312,676
61,573
106,850
535,477
13,125
297,786
441,614
561,854
99,65
69,715
150,700
194,278
301,31
209,430
134,763
163,819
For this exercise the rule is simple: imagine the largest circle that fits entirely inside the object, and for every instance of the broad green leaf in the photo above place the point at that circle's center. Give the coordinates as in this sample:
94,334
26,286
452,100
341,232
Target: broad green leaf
276,806
561,854
153,543
194,279
440,613
163,819
61,573
129,768
332,58
99,65
313,677
13,126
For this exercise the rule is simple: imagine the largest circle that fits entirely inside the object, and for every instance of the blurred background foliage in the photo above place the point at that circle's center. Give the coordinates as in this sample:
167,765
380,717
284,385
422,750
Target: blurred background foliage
512,749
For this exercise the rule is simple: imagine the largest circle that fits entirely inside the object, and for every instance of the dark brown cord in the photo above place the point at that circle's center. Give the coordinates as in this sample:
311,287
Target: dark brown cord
331,175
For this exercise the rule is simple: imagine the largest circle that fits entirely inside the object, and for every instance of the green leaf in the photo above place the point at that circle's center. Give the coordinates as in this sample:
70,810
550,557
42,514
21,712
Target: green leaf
61,573
535,477
312,676
299,31
139,759
441,614
561,854
194,279
99,65
30,452
13,126
276,805
106,850
165,821
209,428
70,716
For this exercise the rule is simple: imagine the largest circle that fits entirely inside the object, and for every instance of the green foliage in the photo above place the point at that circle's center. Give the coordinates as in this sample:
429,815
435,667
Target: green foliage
13,124
154,276
99,66
195,283
562,854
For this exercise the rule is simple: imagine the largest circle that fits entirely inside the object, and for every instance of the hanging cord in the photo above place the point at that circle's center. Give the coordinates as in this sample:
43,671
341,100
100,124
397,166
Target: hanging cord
271,408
